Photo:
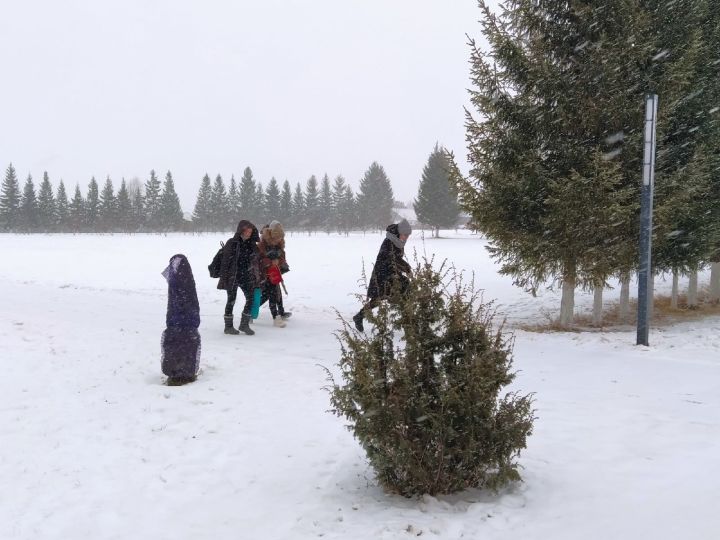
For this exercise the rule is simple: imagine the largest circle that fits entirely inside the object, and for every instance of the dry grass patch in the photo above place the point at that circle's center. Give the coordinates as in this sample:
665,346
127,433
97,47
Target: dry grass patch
663,315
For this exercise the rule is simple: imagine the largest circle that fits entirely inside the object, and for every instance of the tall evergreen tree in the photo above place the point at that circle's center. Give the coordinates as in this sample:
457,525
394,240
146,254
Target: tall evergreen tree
437,203
107,214
10,200
375,198
152,202
62,213
220,209
46,205
260,215
556,152
77,211
92,206
29,214
326,205
202,214
312,205
124,209
348,211
272,201
286,204
170,210
137,203
338,198
233,203
247,195
298,208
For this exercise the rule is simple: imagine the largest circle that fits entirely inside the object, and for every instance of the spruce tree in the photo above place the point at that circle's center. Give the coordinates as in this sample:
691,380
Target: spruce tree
259,211
312,214
220,209
202,213
559,103
286,204
152,200
77,211
298,208
46,205
29,214
685,227
233,204
349,211
327,214
137,202
248,190
272,201
10,200
375,199
425,389
124,209
107,214
338,198
92,206
170,210
62,209
437,203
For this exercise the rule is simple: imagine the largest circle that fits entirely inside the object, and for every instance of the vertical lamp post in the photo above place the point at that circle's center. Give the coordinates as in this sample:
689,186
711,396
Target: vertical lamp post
646,209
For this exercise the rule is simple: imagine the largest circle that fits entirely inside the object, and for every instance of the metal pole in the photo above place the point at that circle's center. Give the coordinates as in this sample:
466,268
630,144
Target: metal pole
646,209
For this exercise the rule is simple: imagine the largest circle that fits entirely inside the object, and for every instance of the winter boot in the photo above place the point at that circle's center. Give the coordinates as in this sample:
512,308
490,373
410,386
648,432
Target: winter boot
245,325
358,320
279,322
229,326
179,381
286,315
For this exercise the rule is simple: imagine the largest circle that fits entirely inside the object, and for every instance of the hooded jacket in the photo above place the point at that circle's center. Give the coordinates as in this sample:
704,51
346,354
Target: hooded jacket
389,266
272,245
240,266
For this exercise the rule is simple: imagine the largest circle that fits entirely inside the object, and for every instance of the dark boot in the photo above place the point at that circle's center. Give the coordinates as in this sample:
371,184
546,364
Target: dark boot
229,326
358,320
286,315
179,381
245,325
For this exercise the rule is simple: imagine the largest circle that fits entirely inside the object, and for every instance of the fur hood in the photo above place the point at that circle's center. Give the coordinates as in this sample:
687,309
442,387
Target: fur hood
274,235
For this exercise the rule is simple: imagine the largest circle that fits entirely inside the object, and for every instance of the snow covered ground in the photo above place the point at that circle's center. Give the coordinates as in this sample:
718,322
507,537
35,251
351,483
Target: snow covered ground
94,446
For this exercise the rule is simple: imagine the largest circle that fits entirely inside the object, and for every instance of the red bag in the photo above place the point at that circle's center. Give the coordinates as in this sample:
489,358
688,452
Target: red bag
274,275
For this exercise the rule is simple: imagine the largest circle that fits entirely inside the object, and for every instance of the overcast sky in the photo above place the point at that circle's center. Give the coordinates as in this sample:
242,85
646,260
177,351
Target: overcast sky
290,88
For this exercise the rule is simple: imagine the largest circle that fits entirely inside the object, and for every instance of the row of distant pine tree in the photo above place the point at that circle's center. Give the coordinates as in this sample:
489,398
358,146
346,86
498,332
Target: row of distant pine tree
154,206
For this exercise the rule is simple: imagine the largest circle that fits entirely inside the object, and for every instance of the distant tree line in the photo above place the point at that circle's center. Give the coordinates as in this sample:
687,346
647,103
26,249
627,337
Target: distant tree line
153,206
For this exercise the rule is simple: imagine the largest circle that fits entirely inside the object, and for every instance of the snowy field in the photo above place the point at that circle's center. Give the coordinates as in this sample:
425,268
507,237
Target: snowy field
94,446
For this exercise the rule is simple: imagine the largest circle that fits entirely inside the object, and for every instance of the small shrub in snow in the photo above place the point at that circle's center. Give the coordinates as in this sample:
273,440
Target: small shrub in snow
421,389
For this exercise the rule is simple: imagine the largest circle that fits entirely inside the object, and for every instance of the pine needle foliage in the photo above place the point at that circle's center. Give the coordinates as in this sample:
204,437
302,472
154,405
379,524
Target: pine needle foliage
422,388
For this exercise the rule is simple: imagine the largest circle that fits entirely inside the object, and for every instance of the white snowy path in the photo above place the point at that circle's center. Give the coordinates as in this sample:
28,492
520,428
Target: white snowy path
626,445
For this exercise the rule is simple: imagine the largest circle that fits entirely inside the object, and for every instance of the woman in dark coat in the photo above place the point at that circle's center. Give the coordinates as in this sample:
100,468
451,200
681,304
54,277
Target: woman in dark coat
390,269
180,344
240,268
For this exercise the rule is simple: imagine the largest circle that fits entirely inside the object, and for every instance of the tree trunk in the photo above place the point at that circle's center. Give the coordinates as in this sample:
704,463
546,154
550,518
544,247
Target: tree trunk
674,297
567,302
624,298
692,295
715,282
597,306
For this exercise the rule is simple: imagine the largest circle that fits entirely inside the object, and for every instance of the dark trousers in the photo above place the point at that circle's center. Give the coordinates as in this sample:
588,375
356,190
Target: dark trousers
273,295
232,296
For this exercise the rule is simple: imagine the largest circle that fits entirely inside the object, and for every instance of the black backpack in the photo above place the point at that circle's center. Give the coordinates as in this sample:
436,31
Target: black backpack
214,266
